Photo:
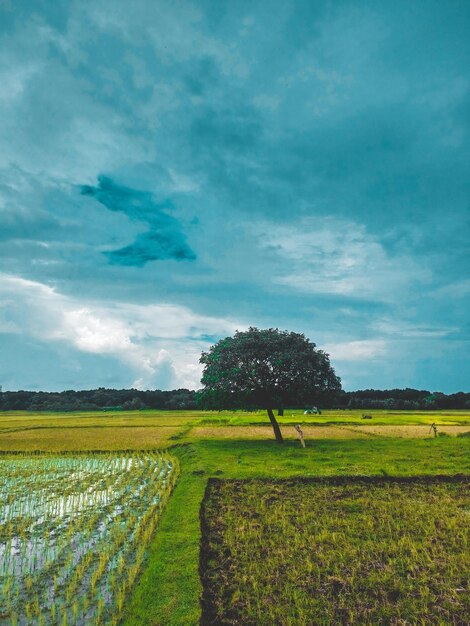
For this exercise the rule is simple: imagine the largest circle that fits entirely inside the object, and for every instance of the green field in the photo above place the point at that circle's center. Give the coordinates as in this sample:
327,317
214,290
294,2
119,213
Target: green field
141,430
332,551
236,445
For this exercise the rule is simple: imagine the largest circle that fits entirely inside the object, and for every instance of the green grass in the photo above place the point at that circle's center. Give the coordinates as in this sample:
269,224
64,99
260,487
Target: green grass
296,552
154,418
149,429
168,591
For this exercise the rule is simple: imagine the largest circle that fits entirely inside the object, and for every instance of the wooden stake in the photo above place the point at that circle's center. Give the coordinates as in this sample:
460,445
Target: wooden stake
300,433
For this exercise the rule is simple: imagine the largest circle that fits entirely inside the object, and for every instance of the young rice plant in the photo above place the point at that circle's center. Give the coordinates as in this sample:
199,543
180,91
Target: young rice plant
74,531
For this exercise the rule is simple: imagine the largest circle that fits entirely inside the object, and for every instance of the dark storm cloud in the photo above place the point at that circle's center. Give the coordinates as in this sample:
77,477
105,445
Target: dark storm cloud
164,240
152,246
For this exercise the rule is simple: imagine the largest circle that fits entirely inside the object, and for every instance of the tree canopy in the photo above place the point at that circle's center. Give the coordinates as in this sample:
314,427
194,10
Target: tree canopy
266,369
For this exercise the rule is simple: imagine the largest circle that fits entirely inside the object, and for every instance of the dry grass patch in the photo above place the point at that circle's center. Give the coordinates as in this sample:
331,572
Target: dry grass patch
78,438
266,432
98,420
420,431
320,432
231,432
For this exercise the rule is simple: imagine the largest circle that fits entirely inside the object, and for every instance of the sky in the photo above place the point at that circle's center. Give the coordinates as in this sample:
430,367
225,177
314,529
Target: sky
173,171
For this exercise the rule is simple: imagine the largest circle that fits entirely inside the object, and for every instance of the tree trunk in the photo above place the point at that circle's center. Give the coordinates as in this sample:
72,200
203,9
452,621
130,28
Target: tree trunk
275,425
280,412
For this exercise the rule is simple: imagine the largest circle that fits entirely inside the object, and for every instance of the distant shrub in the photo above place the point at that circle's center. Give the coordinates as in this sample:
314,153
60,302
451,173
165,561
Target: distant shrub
465,434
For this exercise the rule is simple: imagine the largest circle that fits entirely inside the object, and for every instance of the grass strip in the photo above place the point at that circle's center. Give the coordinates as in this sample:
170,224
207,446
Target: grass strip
169,590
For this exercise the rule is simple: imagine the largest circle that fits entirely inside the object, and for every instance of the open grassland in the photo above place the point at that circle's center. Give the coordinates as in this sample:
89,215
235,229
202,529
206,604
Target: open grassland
138,430
236,445
74,532
298,552
150,417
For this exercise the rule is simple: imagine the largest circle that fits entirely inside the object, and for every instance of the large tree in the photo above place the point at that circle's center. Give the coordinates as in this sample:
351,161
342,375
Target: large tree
266,369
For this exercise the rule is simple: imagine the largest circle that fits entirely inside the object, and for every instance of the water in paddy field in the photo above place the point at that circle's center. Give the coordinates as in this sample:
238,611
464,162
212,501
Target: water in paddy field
73,531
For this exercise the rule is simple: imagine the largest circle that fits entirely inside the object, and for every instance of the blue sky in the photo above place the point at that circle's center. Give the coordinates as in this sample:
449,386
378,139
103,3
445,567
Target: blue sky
173,171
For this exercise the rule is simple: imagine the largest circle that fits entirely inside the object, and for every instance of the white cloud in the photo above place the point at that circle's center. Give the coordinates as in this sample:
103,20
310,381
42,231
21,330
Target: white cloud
145,337
329,255
357,350
457,289
406,330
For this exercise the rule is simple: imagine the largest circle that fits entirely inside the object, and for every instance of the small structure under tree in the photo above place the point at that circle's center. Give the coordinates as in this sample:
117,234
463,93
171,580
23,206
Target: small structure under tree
268,369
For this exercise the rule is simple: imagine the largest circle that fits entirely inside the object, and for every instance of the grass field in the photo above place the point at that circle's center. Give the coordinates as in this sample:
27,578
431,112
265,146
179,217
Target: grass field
237,445
140,430
297,552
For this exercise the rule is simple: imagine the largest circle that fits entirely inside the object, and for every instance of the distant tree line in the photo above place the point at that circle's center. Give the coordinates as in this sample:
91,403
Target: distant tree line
403,399
97,399
133,399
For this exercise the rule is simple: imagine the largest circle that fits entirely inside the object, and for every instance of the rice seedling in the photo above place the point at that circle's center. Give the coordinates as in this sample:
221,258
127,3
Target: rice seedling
76,526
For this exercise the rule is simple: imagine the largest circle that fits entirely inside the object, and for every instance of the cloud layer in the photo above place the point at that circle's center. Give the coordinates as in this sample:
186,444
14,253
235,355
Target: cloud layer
152,341
303,167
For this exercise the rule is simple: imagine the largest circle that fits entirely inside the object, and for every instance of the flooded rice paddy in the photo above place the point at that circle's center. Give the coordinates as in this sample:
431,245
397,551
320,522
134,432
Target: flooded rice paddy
74,531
